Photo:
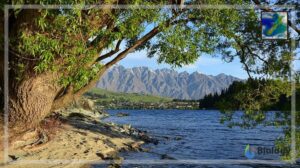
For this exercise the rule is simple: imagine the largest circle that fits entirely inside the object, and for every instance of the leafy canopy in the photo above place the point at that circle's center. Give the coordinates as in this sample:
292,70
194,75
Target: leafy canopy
68,40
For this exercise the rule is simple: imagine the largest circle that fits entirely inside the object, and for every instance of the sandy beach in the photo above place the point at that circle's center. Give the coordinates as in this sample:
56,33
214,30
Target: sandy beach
77,138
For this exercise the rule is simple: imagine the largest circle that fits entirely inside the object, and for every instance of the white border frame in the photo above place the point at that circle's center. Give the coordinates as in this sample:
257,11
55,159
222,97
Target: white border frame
143,162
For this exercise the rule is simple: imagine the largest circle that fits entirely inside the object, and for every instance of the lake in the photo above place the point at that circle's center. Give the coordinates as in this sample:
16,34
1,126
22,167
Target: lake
194,135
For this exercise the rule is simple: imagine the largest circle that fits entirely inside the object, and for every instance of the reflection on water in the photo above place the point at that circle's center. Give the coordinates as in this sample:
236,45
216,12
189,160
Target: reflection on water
195,134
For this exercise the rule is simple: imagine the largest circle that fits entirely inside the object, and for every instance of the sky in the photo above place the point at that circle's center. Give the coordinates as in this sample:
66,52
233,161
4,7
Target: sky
206,64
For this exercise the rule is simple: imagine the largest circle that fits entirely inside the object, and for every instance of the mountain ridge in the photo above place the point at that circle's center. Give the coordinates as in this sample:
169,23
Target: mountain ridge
164,82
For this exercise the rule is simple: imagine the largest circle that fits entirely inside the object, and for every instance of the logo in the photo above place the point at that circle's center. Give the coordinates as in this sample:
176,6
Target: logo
249,152
274,25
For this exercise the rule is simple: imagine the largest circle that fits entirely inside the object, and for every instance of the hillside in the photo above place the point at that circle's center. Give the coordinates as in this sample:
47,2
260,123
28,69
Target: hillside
109,96
113,100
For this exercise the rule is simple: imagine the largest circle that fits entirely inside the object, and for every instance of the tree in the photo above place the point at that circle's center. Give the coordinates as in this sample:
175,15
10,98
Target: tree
269,107
54,54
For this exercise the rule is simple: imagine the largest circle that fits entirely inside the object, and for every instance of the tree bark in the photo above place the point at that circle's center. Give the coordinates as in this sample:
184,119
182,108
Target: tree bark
32,101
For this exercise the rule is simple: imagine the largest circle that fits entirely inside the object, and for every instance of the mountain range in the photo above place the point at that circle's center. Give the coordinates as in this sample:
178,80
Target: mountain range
163,82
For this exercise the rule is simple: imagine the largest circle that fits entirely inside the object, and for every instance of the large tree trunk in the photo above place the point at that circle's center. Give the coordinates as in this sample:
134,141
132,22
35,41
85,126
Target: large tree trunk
38,96
32,101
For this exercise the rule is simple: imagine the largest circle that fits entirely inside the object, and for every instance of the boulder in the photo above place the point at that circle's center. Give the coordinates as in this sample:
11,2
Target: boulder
122,114
166,157
87,104
108,156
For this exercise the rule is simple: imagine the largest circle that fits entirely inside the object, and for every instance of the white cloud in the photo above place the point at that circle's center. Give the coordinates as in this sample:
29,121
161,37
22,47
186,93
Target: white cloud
138,55
208,60
191,66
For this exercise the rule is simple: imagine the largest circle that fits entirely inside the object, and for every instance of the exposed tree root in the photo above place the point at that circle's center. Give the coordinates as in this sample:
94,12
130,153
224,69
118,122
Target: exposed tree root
43,139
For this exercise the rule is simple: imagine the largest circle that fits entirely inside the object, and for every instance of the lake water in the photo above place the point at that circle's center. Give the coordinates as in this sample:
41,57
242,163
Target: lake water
194,135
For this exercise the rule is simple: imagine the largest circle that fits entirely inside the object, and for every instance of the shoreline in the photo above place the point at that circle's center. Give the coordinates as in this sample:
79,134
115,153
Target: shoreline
79,139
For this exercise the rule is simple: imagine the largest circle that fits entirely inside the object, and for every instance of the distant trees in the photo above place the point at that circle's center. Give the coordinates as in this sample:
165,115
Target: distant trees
210,101
235,97
217,100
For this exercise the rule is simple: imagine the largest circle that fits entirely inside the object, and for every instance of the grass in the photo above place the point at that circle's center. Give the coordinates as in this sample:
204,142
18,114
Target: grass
105,95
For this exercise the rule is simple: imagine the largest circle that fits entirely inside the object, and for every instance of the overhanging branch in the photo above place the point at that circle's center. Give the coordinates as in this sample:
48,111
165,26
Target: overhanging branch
243,61
111,53
119,57
139,42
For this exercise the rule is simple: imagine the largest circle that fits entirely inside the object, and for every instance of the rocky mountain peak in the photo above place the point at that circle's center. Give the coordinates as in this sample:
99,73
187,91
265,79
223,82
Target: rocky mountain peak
163,82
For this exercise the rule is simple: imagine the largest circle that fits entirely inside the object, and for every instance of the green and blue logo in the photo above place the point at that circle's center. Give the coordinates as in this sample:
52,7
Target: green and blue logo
274,25
249,152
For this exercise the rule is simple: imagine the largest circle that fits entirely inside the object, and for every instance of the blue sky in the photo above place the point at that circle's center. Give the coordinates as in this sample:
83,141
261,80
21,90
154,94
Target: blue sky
206,64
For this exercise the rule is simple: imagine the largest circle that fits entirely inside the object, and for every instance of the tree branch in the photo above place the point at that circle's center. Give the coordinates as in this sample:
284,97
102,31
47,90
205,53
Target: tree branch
91,84
63,98
243,47
124,53
70,96
67,98
256,55
119,57
111,53
24,58
185,20
243,61
139,42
